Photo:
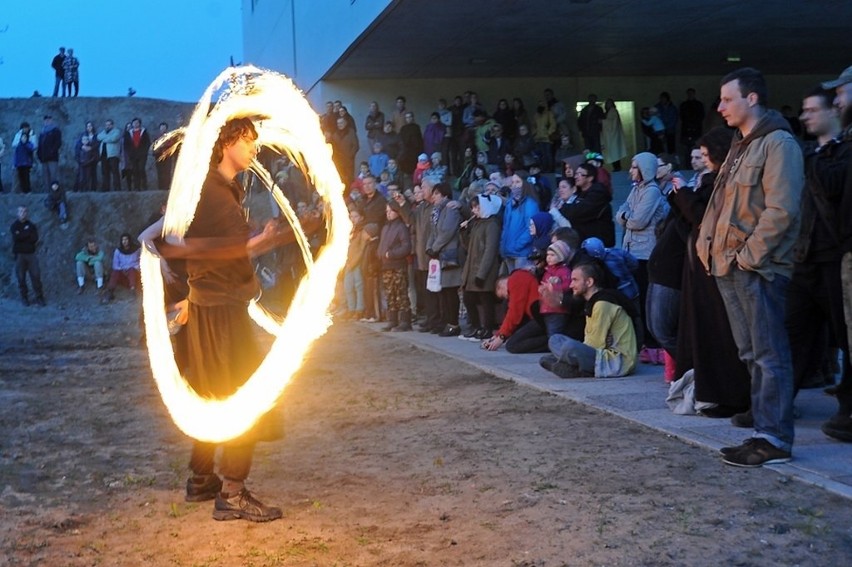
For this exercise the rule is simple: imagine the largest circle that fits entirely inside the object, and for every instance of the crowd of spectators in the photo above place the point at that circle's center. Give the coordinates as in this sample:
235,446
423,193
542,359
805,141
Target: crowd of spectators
498,256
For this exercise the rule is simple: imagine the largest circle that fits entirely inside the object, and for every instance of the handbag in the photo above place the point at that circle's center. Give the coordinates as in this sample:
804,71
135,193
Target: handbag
433,277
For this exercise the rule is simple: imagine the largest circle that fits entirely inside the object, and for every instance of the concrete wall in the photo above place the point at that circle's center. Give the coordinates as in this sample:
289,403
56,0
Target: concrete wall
304,38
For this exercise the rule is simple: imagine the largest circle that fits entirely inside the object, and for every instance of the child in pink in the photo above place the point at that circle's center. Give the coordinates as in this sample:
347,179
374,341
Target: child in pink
557,273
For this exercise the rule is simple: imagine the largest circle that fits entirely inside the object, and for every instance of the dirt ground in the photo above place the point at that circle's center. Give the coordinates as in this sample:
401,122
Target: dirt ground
392,456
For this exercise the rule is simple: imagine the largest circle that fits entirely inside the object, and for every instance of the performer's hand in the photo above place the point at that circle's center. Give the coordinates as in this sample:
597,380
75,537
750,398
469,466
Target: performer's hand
493,343
168,275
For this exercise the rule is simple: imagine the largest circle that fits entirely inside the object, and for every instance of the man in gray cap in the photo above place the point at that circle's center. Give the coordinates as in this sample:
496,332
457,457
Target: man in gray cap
840,425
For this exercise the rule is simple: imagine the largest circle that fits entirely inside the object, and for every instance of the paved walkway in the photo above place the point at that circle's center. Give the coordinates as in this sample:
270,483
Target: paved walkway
817,459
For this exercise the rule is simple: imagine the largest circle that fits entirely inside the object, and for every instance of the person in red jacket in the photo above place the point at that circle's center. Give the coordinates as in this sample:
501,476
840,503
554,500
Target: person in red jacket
521,289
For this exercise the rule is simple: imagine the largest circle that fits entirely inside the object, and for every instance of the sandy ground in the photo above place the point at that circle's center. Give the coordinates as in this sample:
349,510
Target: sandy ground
391,456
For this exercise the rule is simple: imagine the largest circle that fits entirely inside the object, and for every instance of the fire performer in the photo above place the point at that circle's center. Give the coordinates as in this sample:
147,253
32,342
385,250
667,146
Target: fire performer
222,350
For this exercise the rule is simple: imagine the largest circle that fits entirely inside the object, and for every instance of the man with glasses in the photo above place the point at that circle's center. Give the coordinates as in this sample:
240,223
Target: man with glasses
590,212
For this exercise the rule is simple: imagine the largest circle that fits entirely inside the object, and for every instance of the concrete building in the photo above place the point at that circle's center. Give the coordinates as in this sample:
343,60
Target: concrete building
358,51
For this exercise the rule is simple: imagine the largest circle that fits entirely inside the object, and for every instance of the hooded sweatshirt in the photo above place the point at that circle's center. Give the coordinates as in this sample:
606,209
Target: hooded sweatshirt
644,208
752,219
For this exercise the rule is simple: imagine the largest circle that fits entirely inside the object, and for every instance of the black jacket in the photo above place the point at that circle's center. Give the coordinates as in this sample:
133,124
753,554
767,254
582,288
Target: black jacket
24,237
591,214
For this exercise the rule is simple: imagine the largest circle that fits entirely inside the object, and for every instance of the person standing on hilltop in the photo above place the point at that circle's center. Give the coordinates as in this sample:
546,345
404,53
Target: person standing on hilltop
59,71
71,66
24,241
137,142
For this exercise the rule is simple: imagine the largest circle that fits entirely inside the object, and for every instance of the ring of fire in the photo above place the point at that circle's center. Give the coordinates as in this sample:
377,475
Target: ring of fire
289,125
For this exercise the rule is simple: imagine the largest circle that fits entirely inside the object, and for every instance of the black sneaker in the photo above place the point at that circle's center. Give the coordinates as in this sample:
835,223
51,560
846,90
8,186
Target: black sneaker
561,369
756,453
202,487
243,506
450,331
470,335
734,448
484,334
744,420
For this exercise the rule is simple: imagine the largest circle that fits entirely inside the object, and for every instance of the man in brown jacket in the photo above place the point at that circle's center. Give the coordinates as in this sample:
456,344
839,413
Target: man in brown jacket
746,241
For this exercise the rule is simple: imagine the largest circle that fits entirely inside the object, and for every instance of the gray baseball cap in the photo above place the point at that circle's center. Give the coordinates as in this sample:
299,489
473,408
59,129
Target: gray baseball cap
845,77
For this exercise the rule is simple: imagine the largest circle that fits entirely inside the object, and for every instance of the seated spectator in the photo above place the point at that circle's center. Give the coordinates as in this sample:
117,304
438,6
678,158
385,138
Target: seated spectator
520,289
90,257
125,267
55,201
609,346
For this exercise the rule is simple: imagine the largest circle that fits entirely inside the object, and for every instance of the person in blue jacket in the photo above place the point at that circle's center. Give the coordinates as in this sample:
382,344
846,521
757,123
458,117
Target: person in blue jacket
515,238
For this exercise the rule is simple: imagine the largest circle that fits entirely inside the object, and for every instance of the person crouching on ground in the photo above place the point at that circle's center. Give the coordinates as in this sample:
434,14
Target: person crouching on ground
394,248
125,267
609,347
91,257
55,201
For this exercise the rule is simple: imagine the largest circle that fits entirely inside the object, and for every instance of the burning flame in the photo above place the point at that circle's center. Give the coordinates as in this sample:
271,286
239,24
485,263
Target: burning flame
288,125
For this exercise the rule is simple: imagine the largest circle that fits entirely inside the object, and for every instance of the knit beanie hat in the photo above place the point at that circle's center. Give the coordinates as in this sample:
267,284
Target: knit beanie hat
561,249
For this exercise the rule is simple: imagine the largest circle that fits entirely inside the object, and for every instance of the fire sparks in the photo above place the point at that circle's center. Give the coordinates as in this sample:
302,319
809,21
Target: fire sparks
286,123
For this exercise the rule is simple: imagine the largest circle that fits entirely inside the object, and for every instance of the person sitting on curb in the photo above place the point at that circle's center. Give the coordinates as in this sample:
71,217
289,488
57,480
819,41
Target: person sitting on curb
609,347
90,257
125,267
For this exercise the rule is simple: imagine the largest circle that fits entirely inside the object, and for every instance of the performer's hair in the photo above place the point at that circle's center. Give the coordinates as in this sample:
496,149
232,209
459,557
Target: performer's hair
232,131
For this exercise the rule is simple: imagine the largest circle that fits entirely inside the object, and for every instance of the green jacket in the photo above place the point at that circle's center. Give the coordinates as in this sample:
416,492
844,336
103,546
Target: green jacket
91,259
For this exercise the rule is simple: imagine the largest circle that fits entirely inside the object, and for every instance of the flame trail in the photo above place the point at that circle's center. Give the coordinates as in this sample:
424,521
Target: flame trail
288,125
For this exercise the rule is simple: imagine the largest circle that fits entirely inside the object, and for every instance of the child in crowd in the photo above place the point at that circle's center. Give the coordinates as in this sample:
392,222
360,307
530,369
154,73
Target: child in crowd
558,275
378,160
423,164
393,251
437,173
55,201
370,269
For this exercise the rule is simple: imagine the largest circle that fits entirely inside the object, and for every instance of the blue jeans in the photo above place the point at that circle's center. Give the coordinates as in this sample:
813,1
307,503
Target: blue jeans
756,309
554,323
662,308
353,283
573,352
